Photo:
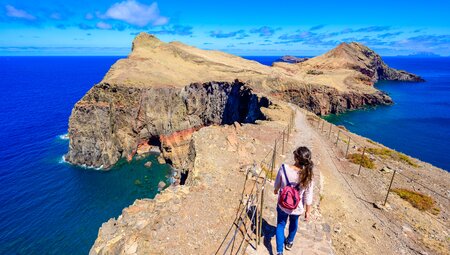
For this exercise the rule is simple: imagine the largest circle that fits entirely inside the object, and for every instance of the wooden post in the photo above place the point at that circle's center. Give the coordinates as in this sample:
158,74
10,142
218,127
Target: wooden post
360,162
337,139
274,155
257,220
348,146
282,144
329,132
389,189
261,215
323,124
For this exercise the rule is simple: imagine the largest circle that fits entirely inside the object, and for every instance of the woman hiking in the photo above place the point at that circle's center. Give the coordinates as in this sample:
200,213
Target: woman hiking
295,197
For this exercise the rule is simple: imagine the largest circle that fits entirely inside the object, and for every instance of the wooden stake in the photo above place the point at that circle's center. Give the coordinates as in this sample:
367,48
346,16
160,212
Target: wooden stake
389,189
348,146
360,162
329,132
337,139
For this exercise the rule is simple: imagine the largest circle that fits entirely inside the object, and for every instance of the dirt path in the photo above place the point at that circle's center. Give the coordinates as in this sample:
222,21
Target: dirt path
340,213
312,237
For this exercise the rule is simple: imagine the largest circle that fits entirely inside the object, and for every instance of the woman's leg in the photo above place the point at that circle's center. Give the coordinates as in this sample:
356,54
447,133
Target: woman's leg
281,224
293,225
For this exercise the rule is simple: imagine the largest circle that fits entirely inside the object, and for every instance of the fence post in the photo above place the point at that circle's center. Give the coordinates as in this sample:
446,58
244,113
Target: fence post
261,214
323,124
337,139
257,220
282,144
274,155
329,131
348,146
389,189
360,162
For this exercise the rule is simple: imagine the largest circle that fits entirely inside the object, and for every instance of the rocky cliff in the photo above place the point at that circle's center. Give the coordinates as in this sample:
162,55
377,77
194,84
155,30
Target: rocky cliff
111,121
168,90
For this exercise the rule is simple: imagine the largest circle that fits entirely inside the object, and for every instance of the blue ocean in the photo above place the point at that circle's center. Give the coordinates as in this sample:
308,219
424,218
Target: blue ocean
51,207
48,206
418,124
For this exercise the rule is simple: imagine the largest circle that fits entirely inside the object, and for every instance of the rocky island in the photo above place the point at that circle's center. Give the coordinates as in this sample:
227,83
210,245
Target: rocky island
213,114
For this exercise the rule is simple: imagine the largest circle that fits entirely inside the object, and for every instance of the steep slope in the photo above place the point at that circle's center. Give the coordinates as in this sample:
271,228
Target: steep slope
165,89
357,57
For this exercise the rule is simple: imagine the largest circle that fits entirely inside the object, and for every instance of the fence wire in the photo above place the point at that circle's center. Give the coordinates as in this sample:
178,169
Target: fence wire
342,139
246,228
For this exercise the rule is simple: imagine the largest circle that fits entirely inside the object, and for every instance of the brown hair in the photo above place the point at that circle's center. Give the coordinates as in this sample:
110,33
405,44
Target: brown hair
302,156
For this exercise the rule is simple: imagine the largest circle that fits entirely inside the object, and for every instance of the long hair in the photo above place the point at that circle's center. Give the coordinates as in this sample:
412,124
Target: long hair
302,156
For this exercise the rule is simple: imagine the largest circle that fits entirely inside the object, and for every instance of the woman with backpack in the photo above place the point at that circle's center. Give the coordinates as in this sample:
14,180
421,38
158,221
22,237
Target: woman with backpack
295,197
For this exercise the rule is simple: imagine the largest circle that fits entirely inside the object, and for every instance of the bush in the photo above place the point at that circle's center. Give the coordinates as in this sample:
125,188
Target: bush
397,156
360,159
418,200
314,72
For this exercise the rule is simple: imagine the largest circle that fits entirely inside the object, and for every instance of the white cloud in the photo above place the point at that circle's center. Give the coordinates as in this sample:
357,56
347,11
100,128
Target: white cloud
89,16
103,25
160,21
56,16
11,11
136,13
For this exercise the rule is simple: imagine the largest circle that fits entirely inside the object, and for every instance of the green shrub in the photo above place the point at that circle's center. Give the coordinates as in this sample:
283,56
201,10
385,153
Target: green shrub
387,153
360,159
418,200
314,72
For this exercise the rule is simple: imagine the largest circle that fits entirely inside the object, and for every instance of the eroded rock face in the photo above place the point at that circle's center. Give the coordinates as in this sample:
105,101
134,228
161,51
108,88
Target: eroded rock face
110,121
325,100
148,94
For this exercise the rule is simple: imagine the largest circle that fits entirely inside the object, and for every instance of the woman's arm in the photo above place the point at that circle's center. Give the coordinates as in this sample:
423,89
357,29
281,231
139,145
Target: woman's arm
308,200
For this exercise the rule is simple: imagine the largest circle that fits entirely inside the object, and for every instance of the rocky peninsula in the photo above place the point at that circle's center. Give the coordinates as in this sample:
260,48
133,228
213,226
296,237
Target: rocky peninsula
213,114
167,88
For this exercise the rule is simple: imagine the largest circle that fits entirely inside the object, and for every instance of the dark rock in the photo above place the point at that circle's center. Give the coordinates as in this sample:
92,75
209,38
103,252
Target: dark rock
291,59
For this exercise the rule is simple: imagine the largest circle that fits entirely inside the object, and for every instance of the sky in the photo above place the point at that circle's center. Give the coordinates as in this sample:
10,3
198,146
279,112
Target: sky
244,27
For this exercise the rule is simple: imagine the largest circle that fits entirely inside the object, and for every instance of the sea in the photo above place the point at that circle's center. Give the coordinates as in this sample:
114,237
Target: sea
51,207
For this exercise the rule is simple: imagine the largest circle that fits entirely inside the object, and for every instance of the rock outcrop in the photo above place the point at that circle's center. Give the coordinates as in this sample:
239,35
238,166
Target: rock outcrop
111,121
167,88
291,59
357,57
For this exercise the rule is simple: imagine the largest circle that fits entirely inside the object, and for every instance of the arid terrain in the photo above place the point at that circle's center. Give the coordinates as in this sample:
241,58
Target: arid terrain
213,114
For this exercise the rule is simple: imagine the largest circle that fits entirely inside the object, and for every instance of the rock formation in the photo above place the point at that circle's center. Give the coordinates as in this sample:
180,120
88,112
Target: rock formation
164,91
291,59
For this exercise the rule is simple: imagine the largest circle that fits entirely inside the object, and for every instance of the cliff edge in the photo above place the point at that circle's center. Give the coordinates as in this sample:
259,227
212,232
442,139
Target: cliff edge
161,89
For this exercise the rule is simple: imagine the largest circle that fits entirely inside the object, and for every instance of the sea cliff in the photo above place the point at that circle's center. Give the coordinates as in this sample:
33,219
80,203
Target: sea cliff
163,88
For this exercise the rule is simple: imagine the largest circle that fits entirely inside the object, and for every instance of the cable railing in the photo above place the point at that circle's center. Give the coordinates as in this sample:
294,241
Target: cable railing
246,228
342,139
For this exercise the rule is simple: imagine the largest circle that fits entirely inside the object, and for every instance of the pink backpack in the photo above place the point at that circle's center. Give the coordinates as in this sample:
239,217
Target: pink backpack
290,196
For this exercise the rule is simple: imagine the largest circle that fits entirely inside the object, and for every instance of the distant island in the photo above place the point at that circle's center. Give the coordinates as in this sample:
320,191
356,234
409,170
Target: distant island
423,55
291,59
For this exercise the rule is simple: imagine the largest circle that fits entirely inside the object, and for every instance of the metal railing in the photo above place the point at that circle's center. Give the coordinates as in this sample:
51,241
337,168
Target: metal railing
246,228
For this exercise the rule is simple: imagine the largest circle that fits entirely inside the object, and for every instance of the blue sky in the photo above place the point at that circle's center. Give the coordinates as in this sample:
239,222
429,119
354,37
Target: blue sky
303,28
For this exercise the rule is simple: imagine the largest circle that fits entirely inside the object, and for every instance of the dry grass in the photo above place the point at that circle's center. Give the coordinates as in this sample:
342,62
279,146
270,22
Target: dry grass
270,175
391,154
365,161
314,72
418,200
370,141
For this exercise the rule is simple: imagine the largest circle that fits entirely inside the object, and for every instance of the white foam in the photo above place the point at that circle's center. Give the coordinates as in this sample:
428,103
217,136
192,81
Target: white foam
64,136
64,161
